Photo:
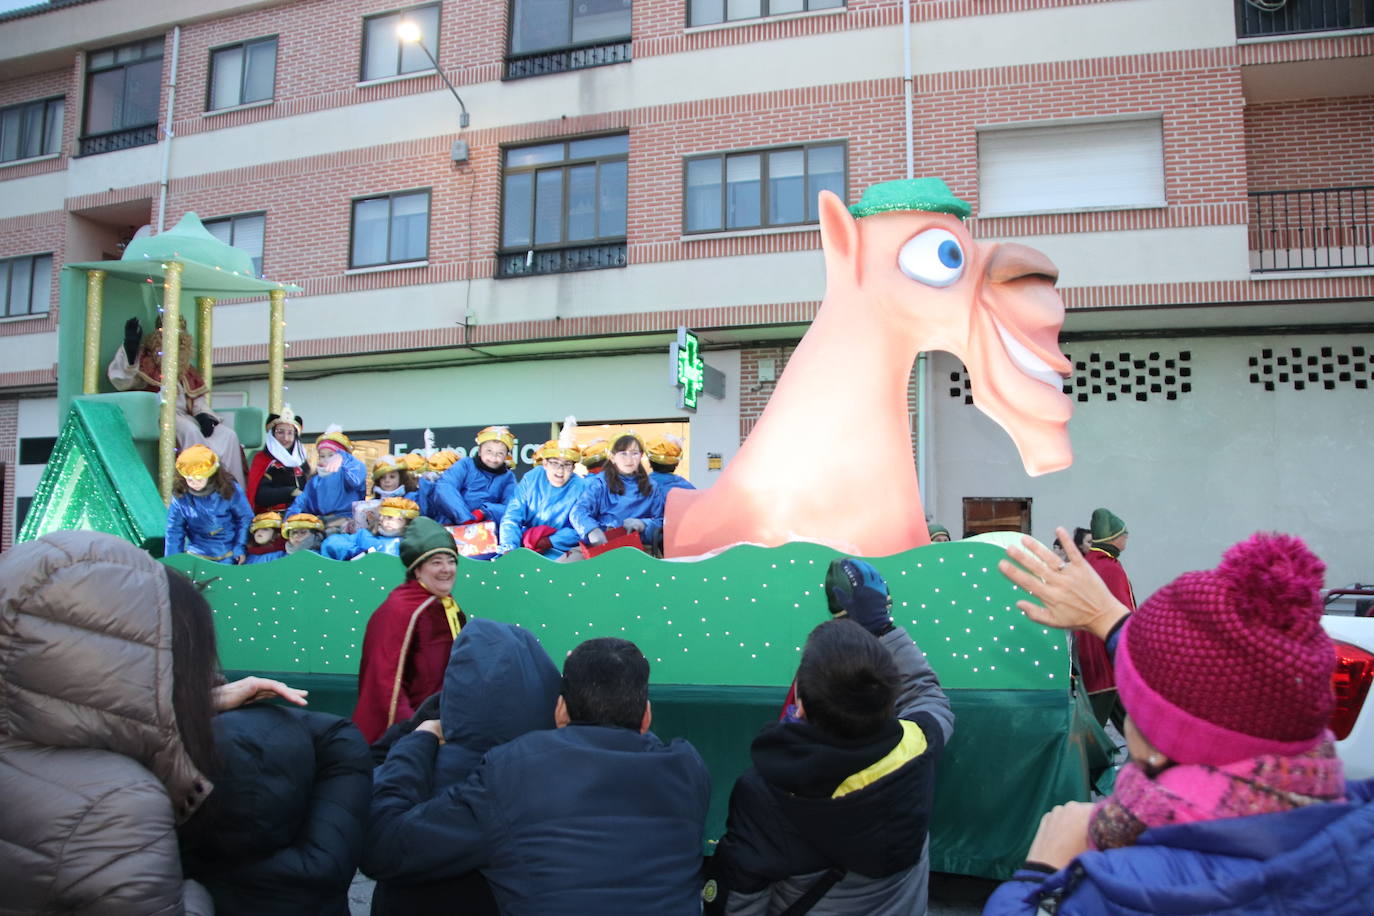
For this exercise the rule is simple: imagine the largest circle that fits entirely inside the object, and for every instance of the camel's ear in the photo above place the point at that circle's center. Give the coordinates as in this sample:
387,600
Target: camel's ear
839,235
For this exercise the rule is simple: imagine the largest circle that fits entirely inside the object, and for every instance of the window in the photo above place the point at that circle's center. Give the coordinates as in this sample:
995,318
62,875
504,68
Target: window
564,194
244,232
1098,165
710,12
384,54
24,285
551,36
123,89
390,229
760,188
242,73
31,129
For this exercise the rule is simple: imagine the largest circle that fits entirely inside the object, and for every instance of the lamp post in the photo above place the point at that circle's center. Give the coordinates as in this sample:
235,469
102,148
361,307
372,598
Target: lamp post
408,30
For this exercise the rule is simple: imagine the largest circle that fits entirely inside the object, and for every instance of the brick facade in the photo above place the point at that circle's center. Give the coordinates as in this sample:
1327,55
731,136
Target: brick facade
9,459
1335,150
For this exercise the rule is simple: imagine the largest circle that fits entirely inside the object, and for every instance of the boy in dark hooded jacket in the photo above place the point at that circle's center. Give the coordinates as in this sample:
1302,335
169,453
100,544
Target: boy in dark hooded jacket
833,816
499,684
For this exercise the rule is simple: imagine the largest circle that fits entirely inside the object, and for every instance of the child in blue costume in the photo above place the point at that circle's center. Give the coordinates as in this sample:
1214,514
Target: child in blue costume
393,516
477,488
438,463
665,453
391,477
303,532
265,541
537,516
209,514
340,480
621,496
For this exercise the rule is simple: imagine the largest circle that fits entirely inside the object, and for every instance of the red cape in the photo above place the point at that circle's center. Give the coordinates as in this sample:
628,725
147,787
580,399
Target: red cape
405,652
1093,660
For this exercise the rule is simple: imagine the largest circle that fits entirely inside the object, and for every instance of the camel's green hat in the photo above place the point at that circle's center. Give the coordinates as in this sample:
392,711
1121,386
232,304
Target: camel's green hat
929,194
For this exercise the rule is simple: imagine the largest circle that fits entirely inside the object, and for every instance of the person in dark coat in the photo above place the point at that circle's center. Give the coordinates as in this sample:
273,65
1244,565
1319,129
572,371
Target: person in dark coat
1234,800
595,816
282,833
499,684
833,816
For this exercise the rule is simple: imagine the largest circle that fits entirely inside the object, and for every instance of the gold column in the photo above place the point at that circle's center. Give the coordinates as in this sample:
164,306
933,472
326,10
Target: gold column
95,308
171,377
205,327
276,350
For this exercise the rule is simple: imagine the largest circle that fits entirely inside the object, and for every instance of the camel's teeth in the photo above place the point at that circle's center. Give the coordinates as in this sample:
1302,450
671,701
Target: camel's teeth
1027,361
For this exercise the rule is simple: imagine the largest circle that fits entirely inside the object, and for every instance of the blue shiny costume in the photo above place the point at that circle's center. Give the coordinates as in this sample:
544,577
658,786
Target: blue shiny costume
208,525
348,546
466,487
666,482
332,494
264,557
598,507
538,502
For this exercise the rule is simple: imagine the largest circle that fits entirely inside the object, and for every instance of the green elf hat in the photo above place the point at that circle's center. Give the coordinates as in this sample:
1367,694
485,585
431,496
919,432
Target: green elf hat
928,194
935,528
1106,526
424,538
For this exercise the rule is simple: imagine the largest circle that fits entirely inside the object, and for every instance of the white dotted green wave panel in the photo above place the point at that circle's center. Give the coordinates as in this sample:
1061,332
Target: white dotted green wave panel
736,619
302,613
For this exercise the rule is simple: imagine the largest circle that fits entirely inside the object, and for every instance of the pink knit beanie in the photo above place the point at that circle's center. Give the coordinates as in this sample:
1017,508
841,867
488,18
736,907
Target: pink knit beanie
1232,662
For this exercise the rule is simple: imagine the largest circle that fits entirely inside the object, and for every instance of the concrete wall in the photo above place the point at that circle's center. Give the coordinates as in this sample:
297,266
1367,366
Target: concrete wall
1193,475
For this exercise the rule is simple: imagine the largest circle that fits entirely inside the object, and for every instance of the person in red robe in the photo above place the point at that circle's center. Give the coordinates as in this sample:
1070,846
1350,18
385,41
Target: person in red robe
1094,663
409,637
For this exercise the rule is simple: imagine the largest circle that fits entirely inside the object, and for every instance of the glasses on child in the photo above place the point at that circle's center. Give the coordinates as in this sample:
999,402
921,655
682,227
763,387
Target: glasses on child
558,465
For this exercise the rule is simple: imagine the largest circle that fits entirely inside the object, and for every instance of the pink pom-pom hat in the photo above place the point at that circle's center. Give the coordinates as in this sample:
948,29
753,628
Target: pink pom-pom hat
1230,663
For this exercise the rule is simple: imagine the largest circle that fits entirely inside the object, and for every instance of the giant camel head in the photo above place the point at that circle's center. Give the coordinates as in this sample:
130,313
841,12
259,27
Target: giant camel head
903,251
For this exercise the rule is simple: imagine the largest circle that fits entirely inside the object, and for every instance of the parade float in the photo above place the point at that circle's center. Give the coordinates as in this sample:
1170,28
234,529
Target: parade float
722,620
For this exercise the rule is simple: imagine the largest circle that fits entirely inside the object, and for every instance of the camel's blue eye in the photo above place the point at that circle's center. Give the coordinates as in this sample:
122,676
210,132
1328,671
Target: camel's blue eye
934,257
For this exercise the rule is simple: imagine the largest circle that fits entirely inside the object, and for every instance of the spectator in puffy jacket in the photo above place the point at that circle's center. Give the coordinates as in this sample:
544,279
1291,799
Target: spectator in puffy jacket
1233,800
282,833
595,816
107,696
833,816
95,771
499,684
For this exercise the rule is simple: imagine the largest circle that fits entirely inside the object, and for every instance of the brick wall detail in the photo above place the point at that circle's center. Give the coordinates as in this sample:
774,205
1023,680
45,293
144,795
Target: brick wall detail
9,457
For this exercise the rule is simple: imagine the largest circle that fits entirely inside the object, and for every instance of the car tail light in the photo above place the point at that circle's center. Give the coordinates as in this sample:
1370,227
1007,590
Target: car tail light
1354,672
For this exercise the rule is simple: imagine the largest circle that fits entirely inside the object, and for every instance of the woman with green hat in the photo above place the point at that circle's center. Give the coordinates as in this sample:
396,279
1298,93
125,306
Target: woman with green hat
409,637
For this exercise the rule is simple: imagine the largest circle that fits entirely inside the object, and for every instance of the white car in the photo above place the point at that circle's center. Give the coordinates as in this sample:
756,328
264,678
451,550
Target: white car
1353,722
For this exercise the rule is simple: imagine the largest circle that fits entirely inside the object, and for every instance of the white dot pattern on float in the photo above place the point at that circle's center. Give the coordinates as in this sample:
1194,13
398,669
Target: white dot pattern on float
307,614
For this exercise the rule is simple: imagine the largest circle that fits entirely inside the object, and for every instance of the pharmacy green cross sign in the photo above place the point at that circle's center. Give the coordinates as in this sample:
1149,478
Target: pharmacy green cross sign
689,372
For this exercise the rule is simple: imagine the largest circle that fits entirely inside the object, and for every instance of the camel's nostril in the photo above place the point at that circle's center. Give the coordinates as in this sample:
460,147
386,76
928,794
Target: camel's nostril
1011,261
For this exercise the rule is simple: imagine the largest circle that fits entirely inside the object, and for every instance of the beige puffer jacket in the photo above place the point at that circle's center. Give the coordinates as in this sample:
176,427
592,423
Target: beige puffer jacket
93,776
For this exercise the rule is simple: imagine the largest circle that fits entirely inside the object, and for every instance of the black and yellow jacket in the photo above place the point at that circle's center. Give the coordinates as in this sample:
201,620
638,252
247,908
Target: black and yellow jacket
813,802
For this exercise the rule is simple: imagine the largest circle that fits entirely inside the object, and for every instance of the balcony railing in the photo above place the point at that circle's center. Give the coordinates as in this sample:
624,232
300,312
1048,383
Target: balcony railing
1266,18
564,59
114,140
1320,229
560,260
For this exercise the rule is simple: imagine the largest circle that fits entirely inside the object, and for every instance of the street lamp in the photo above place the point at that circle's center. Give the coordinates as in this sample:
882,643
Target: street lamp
408,30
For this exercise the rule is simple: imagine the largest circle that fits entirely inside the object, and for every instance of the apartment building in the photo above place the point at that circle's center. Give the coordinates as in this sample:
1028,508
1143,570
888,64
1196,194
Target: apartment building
501,211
